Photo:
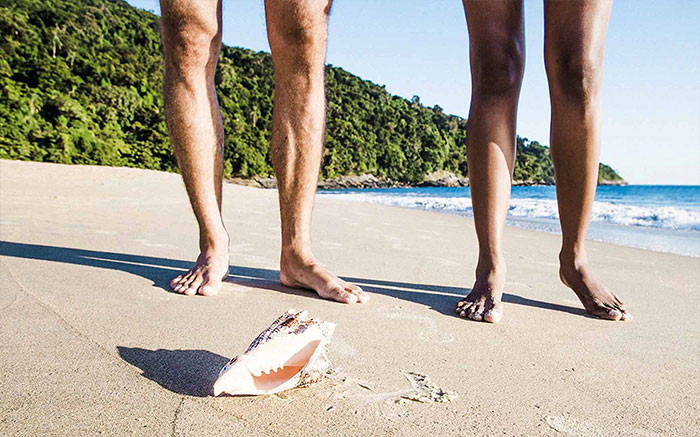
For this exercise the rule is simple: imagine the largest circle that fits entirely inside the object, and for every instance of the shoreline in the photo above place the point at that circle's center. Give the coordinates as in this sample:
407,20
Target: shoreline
625,224
551,227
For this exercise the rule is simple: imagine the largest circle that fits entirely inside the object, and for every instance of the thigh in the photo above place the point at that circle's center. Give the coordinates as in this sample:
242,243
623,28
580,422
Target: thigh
298,21
190,17
576,29
494,25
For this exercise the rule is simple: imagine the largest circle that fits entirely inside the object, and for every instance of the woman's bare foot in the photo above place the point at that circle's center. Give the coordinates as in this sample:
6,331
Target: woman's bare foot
209,270
596,299
483,303
305,272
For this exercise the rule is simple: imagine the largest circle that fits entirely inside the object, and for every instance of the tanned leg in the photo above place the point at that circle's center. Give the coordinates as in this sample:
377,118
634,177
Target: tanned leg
297,31
575,34
191,33
497,51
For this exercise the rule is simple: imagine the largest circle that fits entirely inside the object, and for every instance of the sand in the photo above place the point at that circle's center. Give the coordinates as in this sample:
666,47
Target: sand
92,341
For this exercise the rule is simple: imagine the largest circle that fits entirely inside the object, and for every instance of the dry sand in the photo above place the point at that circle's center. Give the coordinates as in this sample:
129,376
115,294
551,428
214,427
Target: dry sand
93,343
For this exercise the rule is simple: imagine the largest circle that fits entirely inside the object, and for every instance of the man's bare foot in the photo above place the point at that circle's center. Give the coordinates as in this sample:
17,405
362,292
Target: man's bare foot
209,270
305,272
483,303
596,299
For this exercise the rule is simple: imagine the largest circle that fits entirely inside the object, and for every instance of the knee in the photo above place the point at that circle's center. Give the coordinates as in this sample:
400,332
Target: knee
191,38
574,76
498,69
298,23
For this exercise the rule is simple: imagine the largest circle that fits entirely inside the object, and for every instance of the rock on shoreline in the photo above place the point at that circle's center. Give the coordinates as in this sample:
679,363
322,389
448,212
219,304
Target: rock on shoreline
621,183
362,181
444,179
437,179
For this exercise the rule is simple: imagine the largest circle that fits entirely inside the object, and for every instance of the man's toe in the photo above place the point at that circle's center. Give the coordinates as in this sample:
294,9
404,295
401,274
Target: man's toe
342,295
347,297
178,280
209,288
362,297
338,293
193,286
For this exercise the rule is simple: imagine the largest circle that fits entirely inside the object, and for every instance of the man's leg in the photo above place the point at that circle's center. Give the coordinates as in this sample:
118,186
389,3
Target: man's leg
497,51
191,41
297,31
574,42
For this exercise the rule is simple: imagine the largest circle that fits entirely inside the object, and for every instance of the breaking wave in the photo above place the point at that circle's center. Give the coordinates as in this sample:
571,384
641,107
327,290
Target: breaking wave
666,217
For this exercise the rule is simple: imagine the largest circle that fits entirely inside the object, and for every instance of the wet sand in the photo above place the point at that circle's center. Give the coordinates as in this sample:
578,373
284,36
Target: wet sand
93,342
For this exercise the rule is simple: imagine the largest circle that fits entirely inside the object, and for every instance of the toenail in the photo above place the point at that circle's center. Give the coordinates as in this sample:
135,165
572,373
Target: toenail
462,314
615,313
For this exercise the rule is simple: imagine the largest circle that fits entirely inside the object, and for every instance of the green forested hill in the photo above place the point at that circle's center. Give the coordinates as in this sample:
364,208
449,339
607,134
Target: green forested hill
81,83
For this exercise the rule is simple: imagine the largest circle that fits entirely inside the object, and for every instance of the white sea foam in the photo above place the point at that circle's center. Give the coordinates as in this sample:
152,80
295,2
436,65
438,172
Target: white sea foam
667,217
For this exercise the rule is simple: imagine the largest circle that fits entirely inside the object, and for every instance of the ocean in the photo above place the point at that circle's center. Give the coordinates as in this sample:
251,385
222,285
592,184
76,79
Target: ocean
662,218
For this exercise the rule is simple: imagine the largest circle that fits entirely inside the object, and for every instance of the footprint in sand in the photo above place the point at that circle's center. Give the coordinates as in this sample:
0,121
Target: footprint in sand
148,243
268,236
427,330
422,390
567,425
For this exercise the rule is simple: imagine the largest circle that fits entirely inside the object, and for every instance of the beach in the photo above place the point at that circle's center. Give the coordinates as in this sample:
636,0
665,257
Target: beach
93,342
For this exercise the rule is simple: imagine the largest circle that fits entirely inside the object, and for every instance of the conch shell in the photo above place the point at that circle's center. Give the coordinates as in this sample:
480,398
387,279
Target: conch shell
290,353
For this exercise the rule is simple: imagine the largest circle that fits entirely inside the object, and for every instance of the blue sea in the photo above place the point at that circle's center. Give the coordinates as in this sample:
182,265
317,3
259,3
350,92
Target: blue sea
655,217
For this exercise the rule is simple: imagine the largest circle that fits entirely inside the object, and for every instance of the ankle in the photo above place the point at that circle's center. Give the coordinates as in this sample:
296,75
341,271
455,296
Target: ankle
491,264
215,240
294,255
572,259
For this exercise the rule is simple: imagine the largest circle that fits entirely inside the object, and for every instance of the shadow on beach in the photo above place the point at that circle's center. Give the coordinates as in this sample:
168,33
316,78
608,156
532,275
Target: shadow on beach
189,372
193,372
440,298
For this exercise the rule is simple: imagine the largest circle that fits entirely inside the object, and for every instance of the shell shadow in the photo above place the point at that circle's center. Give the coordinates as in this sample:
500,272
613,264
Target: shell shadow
189,372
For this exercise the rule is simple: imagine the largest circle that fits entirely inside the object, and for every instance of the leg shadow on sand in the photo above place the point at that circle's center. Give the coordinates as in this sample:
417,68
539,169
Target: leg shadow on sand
193,372
440,298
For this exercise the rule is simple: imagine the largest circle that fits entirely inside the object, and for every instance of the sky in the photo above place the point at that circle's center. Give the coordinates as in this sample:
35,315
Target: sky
651,85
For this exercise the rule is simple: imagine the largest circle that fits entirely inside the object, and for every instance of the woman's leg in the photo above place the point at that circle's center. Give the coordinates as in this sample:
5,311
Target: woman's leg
574,42
496,52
